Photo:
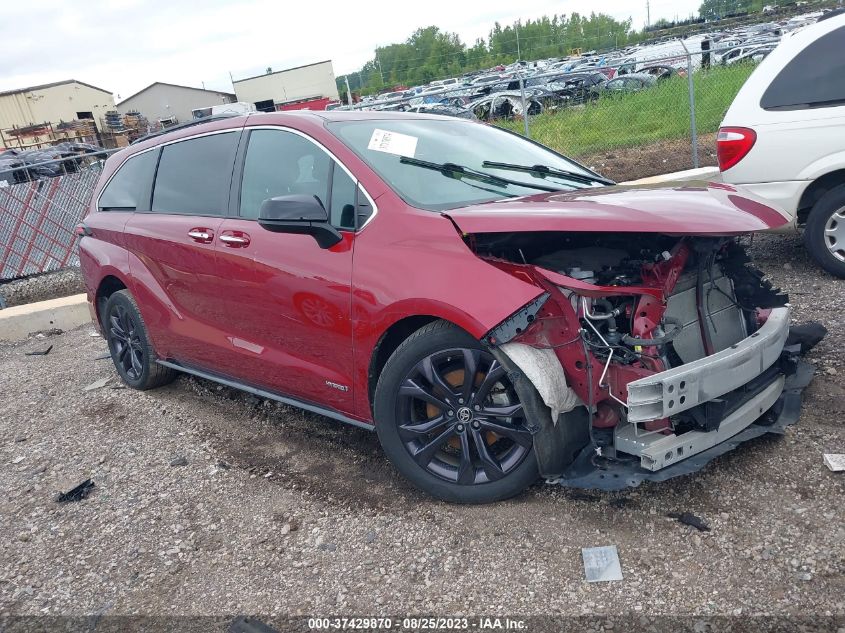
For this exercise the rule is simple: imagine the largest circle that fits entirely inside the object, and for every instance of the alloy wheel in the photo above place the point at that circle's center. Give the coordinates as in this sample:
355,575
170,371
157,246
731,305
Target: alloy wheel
460,419
125,342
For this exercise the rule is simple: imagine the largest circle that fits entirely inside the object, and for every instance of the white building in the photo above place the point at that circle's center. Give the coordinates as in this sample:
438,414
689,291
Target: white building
287,88
164,101
53,103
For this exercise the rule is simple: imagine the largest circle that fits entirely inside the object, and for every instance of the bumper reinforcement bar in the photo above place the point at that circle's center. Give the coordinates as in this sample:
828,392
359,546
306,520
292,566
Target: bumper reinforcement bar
675,390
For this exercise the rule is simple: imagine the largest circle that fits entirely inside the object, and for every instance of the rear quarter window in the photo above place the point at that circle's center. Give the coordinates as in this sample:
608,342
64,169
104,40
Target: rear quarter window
129,188
813,79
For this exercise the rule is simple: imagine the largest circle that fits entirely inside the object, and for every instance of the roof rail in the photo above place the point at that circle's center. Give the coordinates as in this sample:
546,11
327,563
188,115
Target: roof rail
182,126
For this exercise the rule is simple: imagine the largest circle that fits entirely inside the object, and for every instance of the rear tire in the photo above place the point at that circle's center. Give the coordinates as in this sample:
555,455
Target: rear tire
129,345
460,440
824,235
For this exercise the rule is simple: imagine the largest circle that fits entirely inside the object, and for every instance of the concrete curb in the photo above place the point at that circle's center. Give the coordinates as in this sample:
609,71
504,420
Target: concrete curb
64,313
702,173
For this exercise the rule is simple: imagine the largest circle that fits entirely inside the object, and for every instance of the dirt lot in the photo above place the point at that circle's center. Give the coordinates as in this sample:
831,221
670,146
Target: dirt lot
281,513
632,163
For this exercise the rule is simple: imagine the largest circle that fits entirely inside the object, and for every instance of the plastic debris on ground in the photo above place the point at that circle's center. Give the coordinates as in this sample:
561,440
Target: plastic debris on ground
43,352
601,564
688,518
78,493
807,335
97,384
835,461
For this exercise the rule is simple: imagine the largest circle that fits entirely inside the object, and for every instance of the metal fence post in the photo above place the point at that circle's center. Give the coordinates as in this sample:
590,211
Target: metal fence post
524,106
693,128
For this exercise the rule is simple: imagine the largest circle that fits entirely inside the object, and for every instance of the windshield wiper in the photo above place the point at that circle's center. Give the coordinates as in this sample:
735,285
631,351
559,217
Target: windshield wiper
451,168
544,170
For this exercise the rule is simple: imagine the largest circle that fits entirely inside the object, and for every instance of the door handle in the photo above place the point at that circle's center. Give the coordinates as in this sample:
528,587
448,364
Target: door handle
201,235
234,239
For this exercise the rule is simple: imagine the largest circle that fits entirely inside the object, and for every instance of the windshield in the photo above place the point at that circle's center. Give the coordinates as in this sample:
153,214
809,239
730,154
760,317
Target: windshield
382,143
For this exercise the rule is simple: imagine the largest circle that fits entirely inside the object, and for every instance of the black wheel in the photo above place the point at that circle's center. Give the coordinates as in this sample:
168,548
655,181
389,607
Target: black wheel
129,345
824,234
449,419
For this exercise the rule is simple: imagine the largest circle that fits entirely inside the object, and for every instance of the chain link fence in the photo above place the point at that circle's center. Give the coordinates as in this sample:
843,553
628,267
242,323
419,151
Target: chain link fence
39,212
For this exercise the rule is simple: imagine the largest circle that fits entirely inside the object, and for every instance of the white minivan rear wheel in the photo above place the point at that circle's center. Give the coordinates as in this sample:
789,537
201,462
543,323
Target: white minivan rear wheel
824,234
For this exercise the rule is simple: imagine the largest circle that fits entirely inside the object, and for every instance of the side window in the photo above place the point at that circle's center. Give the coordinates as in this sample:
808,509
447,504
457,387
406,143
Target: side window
344,191
812,79
130,183
280,163
194,175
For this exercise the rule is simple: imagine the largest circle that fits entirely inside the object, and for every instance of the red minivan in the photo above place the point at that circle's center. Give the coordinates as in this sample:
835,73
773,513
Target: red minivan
497,312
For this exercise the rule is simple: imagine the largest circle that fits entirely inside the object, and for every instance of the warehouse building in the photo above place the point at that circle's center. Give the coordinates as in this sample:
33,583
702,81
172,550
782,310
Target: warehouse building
171,103
304,87
53,103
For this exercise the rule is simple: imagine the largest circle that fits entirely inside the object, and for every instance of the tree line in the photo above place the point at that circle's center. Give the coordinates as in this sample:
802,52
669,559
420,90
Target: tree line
430,53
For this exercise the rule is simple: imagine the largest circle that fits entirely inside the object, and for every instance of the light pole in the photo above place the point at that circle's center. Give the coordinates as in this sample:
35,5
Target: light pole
380,71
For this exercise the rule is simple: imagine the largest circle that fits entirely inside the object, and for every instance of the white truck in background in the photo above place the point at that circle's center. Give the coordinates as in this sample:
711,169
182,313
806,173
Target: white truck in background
239,107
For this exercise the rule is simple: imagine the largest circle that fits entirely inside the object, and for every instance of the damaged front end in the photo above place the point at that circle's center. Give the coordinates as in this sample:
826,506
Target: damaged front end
646,355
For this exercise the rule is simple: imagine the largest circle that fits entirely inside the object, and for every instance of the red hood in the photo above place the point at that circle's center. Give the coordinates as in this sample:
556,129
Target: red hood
690,208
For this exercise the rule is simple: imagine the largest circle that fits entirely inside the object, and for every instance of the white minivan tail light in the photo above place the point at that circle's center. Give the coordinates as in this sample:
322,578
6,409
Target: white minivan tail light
733,144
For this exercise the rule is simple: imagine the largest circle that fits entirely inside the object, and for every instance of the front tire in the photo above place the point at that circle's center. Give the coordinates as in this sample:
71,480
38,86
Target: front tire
449,418
129,345
824,234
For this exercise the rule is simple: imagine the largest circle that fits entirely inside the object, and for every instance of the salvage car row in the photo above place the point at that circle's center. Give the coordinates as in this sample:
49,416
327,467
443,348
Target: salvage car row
551,84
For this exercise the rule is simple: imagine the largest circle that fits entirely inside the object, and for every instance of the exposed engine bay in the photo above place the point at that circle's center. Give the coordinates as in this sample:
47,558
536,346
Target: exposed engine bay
668,345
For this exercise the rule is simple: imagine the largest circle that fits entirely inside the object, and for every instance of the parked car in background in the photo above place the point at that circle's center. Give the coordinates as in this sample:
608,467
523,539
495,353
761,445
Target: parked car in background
508,315
631,83
660,71
783,137
486,79
755,55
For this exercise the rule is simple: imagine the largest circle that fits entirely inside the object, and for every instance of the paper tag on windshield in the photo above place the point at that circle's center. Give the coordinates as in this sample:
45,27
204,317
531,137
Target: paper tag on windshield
393,143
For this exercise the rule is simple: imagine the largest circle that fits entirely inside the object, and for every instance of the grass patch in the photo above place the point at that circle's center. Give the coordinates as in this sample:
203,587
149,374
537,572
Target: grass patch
640,118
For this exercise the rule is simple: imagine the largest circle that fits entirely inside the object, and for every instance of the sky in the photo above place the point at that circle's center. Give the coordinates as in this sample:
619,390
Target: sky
125,45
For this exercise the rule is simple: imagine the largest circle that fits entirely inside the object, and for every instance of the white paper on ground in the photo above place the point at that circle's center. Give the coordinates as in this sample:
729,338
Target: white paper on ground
393,143
835,461
601,563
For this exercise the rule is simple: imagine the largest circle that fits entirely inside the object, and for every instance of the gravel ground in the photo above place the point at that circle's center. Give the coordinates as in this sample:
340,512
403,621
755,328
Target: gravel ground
61,283
284,513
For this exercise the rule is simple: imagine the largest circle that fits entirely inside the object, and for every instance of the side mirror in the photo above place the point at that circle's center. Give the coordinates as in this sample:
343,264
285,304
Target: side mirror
300,214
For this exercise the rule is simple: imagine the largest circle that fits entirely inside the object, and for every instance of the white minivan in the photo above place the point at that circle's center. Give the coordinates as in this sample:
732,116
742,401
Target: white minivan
783,137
